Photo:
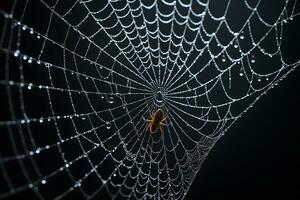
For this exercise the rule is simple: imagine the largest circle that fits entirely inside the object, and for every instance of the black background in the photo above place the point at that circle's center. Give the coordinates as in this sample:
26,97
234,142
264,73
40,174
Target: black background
258,158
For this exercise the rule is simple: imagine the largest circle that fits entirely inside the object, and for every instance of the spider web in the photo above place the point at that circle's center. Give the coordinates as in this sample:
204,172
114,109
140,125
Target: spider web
79,79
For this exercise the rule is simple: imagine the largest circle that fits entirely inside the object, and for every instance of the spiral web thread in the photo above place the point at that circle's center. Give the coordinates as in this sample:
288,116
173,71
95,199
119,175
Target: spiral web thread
79,80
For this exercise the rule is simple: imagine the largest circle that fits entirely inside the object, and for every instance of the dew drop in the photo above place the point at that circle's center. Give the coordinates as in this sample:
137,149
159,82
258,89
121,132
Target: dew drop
78,184
16,53
236,45
43,181
29,87
111,100
108,125
252,59
223,58
38,150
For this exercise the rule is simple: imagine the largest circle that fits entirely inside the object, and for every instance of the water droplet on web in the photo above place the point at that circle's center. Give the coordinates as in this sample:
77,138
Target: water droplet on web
242,36
111,100
77,184
235,45
16,53
223,58
108,125
252,59
38,150
43,181
29,87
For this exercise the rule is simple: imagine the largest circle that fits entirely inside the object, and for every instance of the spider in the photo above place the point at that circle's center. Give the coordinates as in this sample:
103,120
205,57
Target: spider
156,121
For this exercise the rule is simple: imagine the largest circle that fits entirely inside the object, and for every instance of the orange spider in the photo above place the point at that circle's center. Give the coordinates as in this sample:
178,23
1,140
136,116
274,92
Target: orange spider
156,121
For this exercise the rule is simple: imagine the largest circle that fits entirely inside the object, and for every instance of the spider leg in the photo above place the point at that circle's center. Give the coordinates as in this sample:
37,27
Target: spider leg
163,120
148,125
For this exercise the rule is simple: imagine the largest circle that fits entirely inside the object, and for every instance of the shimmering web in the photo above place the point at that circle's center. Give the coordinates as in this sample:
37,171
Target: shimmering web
79,80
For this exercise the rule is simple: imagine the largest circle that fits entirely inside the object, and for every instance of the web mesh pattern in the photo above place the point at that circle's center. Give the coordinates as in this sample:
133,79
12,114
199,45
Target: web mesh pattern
79,80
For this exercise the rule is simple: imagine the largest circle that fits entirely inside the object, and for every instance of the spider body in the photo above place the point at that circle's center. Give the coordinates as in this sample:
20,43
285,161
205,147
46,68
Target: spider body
156,121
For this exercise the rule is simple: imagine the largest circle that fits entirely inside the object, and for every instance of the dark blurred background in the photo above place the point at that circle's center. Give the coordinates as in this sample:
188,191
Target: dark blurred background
258,158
